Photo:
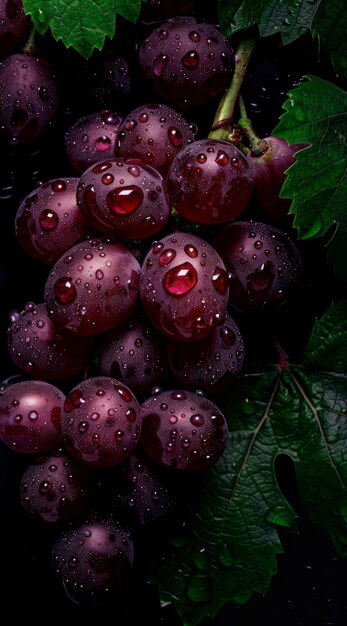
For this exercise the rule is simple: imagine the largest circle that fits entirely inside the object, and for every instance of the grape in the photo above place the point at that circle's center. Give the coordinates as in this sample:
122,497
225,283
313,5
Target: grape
263,261
134,352
184,287
122,199
210,182
214,362
182,430
186,62
92,138
40,349
14,26
56,488
48,221
30,414
92,288
100,421
93,560
28,98
153,134
107,81
268,171
136,491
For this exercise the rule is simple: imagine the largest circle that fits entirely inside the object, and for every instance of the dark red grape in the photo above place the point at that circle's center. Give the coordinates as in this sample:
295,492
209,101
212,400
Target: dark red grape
14,26
210,182
135,353
268,171
263,261
48,221
91,139
182,430
28,98
56,487
138,492
93,560
30,413
186,62
122,199
92,288
154,134
100,421
214,362
39,348
184,287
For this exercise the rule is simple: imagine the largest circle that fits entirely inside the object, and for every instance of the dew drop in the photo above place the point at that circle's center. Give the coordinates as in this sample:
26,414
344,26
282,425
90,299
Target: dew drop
222,158
125,200
175,136
220,280
83,427
45,487
107,179
48,219
64,290
166,257
191,251
197,420
191,60
180,279
103,143
160,64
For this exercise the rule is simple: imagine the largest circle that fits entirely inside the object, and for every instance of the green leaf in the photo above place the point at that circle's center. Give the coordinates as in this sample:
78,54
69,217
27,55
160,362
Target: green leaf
324,19
327,346
231,537
317,183
81,24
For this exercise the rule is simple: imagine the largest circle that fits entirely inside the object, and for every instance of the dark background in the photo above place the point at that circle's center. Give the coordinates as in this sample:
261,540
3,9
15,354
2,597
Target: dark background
310,587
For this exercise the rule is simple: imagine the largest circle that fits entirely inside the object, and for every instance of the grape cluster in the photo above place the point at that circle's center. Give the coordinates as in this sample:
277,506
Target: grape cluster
155,246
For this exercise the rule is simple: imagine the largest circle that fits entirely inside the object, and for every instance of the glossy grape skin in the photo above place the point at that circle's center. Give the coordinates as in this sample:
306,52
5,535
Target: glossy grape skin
93,560
100,422
124,200
186,62
93,287
182,430
153,134
139,492
263,261
48,221
210,182
40,349
28,99
56,488
14,26
30,413
184,287
214,362
135,353
91,139
268,171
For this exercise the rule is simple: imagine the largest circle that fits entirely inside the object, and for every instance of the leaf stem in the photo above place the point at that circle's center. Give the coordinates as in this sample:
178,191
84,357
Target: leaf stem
222,122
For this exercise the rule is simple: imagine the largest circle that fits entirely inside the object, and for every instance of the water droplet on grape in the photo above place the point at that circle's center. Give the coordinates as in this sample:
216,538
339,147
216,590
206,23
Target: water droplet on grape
125,200
180,279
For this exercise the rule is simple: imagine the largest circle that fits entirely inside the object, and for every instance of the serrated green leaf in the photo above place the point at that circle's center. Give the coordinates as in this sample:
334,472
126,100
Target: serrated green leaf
327,346
316,114
81,24
239,504
325,19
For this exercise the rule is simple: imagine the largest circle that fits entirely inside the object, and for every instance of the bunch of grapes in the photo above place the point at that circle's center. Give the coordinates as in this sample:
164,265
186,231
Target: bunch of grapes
146,247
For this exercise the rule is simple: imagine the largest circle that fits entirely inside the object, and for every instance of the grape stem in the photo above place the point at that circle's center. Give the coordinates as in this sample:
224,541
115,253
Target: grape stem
222,122
258,146
29,47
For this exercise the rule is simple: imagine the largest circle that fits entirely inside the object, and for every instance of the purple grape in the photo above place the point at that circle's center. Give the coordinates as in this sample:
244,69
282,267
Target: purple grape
210,182
93,560
91,139
14,26
182,430
48,221
214,362
92,288
153,134
263,261
40,349
28,98
30,414
124,200
184,287
107,81
137,491
100,421
186,62
56,488
135,353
